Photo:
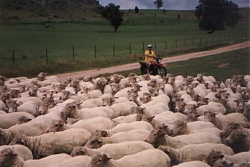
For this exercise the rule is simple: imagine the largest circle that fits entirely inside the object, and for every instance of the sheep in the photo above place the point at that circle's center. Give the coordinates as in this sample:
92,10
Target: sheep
94,93
211,106
192,164
240,105
23,119
156,108
115,78
192,117
186,98
36,100
179,106
47,161
115,150
54,143
92,102
125,127
246,112
168,89
99,84
160,98
226,131
122,109
212,157
91,124
159,137
36,127
86,113
229,104
189,152
2,112
184,128
133,135
67,95
220,121
2,105
202,78
176,82
23,151
223,163
238,157
78,161
8,158
143,158
211,96
122,92
238,141
11,159
29,107
10,119
167,117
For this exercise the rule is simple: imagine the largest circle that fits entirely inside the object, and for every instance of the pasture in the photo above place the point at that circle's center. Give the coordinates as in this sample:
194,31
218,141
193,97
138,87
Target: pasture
27,48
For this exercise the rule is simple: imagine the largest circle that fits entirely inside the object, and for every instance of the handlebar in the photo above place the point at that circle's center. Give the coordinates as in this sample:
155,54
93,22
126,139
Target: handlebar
151,56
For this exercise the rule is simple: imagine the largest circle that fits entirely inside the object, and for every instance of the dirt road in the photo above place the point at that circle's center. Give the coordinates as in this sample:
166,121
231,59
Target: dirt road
132,66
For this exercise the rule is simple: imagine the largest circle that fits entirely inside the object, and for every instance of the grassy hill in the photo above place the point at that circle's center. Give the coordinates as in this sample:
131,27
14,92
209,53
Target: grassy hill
13,11
81,39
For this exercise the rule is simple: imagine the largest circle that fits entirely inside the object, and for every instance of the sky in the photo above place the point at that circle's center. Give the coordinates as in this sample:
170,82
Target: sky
167,4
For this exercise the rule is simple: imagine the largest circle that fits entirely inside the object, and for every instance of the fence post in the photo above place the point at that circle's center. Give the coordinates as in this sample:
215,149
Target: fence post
73,50
130,48
95,51
143,48
13,57
46,54
113,49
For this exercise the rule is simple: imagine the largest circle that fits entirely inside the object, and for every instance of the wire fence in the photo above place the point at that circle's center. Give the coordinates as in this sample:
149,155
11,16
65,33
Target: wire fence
22,58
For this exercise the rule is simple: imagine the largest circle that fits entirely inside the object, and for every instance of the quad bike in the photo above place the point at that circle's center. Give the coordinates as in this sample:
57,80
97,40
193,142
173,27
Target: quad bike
156,68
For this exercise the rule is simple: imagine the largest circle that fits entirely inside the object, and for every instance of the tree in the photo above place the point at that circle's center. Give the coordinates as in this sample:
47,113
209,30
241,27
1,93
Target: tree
112,13
216,15
158,4
136,9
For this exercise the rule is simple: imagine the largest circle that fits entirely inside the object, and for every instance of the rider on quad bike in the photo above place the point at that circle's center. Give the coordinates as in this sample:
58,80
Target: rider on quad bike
150,57
152,65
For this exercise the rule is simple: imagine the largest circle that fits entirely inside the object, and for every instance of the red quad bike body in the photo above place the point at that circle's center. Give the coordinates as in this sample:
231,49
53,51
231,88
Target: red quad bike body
156,68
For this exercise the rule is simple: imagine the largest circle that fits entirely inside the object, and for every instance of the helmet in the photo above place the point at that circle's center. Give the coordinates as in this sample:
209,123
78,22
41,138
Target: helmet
149,46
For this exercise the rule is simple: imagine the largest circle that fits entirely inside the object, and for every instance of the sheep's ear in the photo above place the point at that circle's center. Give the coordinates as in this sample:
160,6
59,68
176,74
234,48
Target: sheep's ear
215,113
61,123
106,157
243,133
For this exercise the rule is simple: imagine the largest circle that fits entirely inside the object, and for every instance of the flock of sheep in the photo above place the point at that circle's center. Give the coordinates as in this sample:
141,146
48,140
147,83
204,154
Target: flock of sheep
117,121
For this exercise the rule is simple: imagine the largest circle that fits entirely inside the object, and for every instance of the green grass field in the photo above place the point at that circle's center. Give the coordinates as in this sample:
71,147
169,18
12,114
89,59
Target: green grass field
221,66
80,45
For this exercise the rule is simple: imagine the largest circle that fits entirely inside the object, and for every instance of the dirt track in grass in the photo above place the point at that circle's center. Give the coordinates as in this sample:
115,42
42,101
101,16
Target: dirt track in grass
132,66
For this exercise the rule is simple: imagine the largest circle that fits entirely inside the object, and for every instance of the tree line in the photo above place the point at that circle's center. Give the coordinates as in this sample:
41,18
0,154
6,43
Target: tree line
213,15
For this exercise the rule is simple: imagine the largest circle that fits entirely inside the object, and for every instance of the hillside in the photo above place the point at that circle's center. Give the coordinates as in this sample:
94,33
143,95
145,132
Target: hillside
16,11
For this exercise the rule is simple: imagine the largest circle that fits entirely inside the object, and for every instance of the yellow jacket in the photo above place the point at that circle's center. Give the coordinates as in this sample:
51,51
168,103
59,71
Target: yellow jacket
149,57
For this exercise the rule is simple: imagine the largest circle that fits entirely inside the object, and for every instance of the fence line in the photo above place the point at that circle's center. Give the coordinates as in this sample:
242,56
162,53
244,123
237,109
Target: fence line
116,50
